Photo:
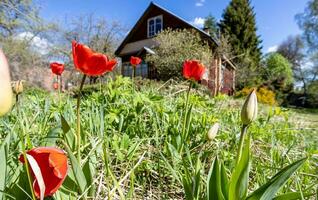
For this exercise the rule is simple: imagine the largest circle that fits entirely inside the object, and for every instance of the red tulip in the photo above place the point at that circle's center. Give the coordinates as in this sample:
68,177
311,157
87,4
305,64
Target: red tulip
55,85
193,69
89,62
57,68
134,61
53,165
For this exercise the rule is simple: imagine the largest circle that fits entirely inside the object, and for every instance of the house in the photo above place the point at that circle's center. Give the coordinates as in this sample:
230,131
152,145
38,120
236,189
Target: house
140,41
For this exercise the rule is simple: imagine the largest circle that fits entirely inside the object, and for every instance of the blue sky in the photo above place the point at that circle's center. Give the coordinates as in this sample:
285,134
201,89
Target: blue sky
275,18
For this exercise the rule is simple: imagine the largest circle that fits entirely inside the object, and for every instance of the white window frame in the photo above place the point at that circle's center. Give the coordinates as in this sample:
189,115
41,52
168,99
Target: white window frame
154,19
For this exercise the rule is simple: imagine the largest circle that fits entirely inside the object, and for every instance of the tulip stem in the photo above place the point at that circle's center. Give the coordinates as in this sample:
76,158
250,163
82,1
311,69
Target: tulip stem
78,122
24,155
133,74
183,136
241,141
28,170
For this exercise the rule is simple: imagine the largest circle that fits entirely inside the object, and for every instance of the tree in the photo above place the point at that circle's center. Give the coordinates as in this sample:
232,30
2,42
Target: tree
278,70
293,50
97,33
239,25
175,47
210,24
20,27
308,22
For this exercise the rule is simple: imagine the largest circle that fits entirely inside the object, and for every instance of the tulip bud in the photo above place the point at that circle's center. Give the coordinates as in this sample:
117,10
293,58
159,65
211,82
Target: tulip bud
18,87
213,131
249,109
5,86
55,85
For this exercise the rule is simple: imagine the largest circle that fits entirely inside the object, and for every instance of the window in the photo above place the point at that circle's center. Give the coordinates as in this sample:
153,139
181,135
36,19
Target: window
154,25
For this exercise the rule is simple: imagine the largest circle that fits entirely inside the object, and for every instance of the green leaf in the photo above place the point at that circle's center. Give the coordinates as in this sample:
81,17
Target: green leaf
68,136
65,126
269,190
217,182
214,182
239,179
292,196
89,173
76,167
52,137
224,181
3,169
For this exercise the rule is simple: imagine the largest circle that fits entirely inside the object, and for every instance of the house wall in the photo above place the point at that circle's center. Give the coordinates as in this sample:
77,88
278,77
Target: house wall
228,81
215,83
169,21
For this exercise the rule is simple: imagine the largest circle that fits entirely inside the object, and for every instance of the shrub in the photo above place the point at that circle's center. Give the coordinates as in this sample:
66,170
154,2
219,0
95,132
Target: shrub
175,47
264,95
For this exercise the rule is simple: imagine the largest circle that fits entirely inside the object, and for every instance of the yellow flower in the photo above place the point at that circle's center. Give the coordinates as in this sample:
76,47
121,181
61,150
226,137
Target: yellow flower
213,131
249,109
5,86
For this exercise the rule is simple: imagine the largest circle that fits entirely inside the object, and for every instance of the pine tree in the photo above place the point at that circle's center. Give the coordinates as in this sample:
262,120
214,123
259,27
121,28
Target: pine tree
210,24
239,25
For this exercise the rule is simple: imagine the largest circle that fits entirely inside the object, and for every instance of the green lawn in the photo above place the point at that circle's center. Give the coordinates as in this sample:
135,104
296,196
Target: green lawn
130,135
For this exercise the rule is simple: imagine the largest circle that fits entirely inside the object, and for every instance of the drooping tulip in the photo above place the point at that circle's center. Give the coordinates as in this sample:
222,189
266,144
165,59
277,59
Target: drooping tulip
53,166
57,68
134,61
193,70
5,86
89,62
249,109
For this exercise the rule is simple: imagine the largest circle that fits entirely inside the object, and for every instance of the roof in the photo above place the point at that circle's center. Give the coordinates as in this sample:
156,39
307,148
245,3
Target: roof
154,5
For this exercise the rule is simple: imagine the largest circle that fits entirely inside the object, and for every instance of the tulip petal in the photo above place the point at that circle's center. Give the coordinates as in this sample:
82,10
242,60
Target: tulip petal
58,161
38,175
111,65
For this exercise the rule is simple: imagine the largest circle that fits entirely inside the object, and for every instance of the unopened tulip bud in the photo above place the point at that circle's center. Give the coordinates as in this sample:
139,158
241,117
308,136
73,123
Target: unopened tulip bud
249,109
18,87
213,131
5,86
55,85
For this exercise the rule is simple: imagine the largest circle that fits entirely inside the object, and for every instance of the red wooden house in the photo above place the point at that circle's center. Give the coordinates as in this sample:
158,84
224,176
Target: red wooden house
139,42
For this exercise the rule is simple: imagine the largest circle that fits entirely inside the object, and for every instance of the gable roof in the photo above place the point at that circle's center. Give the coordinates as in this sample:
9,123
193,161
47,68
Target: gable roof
153,5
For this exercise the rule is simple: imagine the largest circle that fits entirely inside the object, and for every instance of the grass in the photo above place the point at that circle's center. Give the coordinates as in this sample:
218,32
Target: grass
130,137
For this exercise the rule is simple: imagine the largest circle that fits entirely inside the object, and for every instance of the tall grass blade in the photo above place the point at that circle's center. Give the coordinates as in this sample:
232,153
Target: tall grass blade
269,190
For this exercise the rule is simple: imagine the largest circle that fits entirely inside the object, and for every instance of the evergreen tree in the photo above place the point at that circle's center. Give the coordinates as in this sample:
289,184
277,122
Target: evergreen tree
239,25
210,24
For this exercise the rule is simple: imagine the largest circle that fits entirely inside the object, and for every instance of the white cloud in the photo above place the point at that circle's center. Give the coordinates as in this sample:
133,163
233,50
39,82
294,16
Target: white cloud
39,44
198,22
272,49
199,3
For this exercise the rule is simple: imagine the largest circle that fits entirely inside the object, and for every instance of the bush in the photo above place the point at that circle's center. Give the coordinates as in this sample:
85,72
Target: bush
278,71
175,47
264,95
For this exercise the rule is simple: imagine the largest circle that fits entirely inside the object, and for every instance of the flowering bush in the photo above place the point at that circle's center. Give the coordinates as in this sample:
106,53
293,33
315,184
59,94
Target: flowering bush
264,95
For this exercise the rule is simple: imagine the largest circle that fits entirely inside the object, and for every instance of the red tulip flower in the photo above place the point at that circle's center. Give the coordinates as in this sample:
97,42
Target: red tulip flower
53,165
193,69
57,68
134,61
89,62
